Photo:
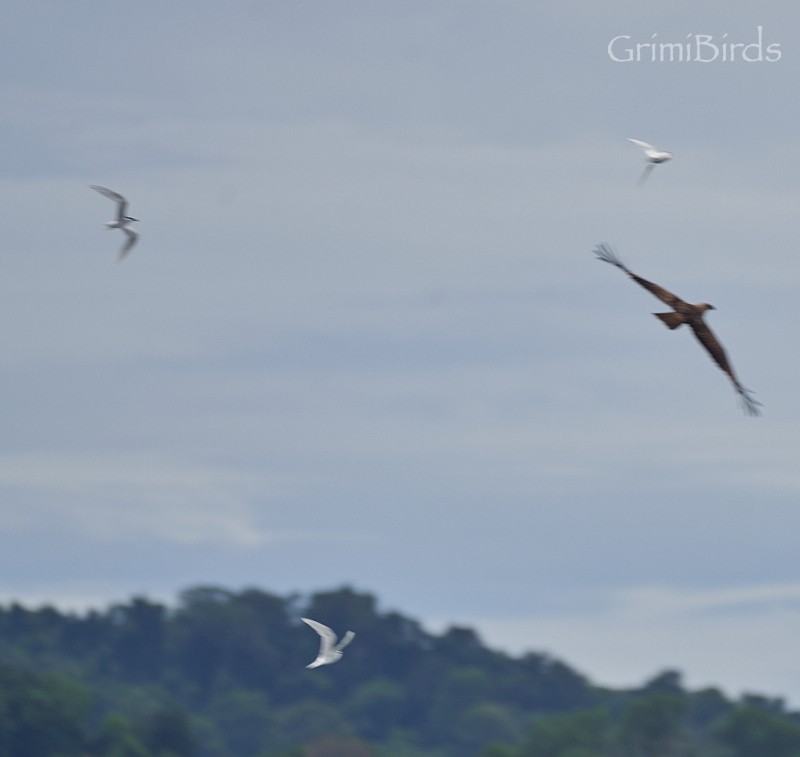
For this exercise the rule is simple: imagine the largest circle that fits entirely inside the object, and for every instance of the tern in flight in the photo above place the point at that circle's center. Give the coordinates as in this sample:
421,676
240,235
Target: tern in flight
329,650
692,316
652,156
122,221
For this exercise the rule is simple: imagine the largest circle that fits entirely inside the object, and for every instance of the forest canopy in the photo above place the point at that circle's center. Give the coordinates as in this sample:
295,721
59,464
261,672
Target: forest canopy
222,674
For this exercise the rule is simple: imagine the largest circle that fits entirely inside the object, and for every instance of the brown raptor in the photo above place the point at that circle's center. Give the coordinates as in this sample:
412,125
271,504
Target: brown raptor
692,316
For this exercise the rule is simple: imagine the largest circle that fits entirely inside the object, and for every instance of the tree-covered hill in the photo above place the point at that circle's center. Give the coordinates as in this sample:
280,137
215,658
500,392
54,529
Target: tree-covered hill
221,674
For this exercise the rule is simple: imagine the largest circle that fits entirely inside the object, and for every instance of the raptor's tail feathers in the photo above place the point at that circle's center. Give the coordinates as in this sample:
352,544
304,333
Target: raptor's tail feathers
605,253
749,403
671,320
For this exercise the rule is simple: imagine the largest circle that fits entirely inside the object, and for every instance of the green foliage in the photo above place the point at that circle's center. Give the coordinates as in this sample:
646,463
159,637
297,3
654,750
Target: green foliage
486,722
499,750
243,719
167,732
376,707
310,720
653,723
752,731
337,746
569,734
40,715
116,738
222,675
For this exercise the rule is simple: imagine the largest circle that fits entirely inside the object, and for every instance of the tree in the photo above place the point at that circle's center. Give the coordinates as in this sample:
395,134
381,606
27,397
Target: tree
243,719
116,738
565,734
40,715
168,731
652,725
458,690
499,750
338,746
376,708
751,731
486,722
309,719
139,638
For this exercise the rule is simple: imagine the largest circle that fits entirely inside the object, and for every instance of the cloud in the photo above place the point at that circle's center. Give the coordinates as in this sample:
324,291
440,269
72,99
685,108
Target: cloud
660,600
130,496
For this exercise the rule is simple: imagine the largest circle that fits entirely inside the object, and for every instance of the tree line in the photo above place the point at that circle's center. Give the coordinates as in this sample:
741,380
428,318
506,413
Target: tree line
221,674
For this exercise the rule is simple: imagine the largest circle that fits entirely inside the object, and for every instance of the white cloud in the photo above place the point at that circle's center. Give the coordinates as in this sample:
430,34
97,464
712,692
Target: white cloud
122,497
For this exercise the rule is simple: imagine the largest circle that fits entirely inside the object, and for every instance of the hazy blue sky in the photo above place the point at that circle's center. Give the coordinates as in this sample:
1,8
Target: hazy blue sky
363,338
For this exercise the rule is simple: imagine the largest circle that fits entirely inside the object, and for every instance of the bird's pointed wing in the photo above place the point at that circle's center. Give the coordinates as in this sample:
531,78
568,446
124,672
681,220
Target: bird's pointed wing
646,146
643,178
110,193
346,639
605,253
126,248
122,203
709,340
327,636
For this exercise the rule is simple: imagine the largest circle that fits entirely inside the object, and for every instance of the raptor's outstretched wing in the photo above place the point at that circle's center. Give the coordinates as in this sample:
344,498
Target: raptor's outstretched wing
607,255
709,340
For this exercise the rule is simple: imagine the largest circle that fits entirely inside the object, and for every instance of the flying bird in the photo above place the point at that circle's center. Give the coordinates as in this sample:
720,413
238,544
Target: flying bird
122,221
692,316
652,156
329,650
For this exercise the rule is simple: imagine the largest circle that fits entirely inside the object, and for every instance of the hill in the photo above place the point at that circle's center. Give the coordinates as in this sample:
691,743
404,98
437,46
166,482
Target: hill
221,674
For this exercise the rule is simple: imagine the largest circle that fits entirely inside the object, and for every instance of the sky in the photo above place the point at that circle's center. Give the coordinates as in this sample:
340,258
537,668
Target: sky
363,339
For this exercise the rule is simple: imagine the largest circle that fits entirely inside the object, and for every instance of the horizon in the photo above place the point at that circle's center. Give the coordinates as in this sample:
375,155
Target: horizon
493,637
